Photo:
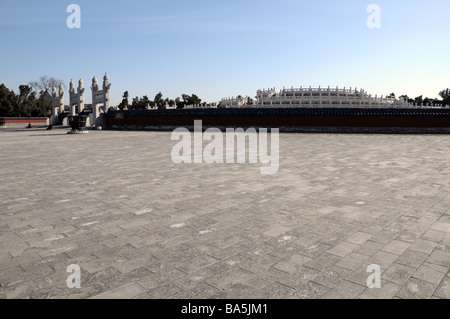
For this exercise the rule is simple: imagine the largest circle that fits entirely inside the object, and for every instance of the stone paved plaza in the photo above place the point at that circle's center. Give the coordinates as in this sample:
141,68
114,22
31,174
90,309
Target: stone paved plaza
140,226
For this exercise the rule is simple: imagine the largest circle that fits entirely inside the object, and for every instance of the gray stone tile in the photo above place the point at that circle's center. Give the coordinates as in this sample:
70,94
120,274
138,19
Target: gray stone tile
383,259
443,290
277,231
344,290
433,235
387,291
259,263
292,263
322,262
311,290
417,289
276,291
439,257
352,261
332,276
441,226
359,238
312,250
412,258
398,274
299,278
369,248
385,236
431,273
22,290
128,291
396,247
424,246
166,291
197,263
408,236
343,249
227,277
200,291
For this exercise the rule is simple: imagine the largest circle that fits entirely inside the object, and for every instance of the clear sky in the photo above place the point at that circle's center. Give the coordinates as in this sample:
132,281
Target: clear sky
225,48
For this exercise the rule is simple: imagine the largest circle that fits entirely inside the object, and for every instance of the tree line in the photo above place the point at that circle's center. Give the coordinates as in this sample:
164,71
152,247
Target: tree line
26,103
444,94
33,99
158,102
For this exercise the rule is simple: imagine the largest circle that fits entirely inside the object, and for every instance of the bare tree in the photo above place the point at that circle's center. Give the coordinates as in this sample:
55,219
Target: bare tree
45,83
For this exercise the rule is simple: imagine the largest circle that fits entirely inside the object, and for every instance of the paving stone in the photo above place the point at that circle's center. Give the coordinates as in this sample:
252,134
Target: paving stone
194,264
227,252
439,257
398,274
360,275
292,263
385,236
323,261
125,292
333,239
276,291
443,290
441,227
445,218
311,290
424,246
19,291
204,291
167,291
396,247
331,277
412,258
352,261
344,290
369,248
387,291
227,277
343,249
417,289
408,236
359,238
433,235
258,264
383,259
10,276
431,273
277,231
259,281
149,282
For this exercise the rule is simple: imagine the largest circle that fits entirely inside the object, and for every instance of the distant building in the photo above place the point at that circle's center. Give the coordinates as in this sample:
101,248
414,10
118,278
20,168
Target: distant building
236,102
315,97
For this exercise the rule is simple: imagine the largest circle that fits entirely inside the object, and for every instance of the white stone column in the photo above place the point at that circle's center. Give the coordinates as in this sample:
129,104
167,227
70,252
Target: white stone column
55,104
61,99
106,89
94,90
73,109
80,96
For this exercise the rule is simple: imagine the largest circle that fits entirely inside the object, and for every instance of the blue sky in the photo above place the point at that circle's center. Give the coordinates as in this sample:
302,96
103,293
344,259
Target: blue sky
224,48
